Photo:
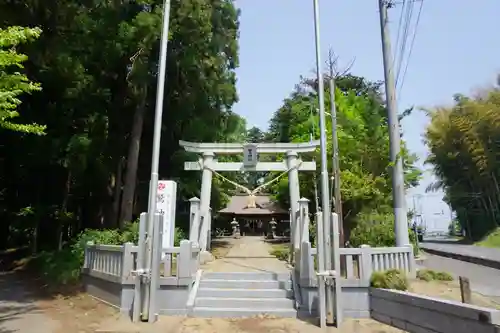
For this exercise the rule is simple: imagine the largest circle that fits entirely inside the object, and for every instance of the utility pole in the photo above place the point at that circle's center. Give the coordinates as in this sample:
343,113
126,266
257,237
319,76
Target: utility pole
336,198
398,190
325,193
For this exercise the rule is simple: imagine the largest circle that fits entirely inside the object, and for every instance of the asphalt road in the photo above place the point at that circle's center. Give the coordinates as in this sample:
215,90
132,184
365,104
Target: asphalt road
467,250
483,280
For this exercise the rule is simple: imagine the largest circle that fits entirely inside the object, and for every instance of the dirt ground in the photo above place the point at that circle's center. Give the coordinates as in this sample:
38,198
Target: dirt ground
450,291
259,324
80,313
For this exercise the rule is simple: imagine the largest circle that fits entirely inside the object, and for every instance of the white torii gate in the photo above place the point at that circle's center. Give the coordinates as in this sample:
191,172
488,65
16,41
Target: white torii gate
208,164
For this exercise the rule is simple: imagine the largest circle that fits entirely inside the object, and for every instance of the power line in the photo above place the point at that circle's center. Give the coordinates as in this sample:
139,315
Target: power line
411,44
400,24
407,22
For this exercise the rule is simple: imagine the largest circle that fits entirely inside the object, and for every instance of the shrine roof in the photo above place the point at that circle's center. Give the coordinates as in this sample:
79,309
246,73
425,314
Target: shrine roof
238,205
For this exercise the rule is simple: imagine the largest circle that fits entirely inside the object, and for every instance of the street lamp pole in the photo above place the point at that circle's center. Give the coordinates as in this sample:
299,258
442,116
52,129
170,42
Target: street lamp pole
325,193
153,183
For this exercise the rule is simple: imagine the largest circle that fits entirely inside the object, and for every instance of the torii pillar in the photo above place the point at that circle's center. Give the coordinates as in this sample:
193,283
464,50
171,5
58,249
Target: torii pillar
294,188
206,191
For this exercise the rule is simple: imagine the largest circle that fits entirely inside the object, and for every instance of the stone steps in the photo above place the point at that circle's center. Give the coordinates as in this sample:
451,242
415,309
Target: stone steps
244,295
267,276
235,313
245,284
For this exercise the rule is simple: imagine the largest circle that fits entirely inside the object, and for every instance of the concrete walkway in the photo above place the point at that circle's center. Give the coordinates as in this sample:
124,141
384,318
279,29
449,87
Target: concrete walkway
248,254
18,310
474,254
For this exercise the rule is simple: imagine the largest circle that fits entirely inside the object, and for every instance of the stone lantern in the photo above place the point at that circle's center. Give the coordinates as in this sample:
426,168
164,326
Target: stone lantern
273,224
236,228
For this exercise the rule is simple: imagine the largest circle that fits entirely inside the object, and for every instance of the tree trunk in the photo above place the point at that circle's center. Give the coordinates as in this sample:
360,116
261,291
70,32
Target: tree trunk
127,205
116,185
64,209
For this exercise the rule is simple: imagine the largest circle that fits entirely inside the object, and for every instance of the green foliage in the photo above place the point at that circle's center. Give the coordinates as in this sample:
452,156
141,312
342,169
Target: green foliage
463,143
431,275
454,228
280,251
390,279
377,230
12,82
64,266
362,138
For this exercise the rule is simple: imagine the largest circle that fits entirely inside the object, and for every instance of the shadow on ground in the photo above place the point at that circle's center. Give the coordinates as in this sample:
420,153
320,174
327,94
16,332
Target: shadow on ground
221,246
9,313
25,296
280,240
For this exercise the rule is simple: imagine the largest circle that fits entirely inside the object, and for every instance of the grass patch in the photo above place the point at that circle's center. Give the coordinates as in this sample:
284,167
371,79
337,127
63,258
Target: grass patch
390,279
431,275
492,240
280,251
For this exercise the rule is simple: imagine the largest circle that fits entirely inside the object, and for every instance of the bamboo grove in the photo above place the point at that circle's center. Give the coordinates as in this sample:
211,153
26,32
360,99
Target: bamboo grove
464,144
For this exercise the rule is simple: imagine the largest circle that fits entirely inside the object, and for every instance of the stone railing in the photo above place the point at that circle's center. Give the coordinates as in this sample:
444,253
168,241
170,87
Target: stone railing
181,261
109,262
116,263
360,263
352,269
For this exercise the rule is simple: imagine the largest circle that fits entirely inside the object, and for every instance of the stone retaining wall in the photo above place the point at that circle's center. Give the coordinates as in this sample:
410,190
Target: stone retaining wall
420,314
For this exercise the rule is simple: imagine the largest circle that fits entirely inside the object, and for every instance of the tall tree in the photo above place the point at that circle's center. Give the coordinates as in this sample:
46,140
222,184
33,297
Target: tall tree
363,142
97,62
12,82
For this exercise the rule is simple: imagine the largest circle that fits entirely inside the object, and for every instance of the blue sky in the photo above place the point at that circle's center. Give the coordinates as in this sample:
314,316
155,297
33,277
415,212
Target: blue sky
456,50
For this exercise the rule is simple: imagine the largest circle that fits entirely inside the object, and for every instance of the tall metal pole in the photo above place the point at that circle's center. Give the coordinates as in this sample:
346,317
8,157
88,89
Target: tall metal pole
398,190
153,183
336,164
325,193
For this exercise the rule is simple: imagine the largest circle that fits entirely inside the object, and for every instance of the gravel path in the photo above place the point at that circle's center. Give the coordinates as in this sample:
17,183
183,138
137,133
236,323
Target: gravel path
247,254
18,310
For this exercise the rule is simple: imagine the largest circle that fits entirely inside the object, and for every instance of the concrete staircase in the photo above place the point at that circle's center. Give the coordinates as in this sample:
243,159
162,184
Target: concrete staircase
244,295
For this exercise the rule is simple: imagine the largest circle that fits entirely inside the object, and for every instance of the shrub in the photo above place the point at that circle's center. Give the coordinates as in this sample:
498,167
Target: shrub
64,266
454,228
377,230
390,279
280,251
430,275
178,236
